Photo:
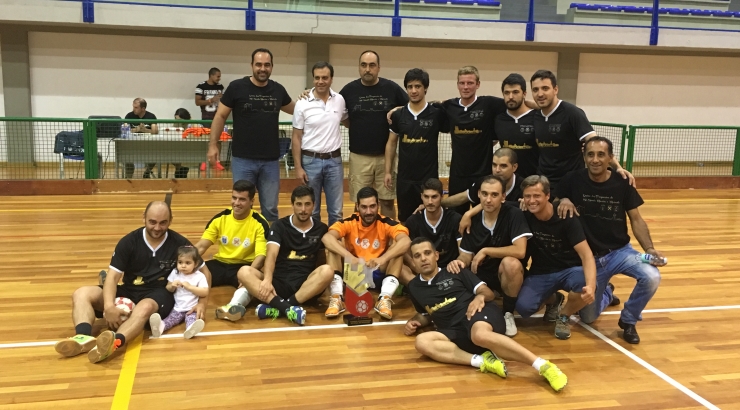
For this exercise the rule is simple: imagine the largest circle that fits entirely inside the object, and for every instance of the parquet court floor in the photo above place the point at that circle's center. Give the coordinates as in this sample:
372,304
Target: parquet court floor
50,245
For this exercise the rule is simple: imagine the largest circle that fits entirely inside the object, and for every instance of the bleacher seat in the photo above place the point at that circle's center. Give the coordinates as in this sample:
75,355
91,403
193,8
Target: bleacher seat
491,3
695,12
435,1
463,2
719,13
410,1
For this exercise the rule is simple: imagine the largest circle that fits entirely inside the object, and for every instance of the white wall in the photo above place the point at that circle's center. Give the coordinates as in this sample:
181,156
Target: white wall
3,137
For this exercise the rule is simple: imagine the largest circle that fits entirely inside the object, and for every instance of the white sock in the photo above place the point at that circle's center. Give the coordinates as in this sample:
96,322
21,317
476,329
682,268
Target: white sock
337,285
476,361
241,297
390,284
538,363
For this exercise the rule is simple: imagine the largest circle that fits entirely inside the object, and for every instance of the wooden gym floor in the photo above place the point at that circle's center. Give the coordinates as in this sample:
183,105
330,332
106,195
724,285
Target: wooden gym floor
689,356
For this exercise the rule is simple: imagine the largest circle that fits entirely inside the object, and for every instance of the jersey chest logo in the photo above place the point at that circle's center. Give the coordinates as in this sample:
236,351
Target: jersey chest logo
554,128
224,239
445,284
364,244
313,240
426,123
236,241
476,114
526,129
246,242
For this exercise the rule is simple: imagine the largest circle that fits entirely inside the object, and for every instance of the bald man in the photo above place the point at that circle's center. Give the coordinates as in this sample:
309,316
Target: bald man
143,259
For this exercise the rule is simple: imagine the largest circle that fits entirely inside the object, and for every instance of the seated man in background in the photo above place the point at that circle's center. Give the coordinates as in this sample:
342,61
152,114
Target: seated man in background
240,234
140,113
293,273
142,260
468,325
436,223
379,240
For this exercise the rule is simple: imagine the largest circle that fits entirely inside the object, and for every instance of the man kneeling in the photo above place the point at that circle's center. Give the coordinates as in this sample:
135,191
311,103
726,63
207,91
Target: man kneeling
290,276
466,320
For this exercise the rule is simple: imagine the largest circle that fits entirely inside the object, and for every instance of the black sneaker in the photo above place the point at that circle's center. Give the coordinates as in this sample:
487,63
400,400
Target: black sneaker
553,311
630,333
147,174
101,277
615,299
182,172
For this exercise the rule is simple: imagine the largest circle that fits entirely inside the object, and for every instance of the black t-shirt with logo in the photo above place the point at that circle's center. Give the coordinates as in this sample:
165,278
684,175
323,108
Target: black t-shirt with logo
417,142
510,226
472,134
367,107
444,235
298,249
208,91
446,297
518,134
560,140
143,266
551,246
256,113
603,207
147,116
512,196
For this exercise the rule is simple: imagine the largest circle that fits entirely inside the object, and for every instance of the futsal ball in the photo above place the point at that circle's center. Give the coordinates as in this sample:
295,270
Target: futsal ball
126,305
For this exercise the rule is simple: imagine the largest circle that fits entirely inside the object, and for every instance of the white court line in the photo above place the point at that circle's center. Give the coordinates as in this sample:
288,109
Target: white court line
648,366
688,309
27,344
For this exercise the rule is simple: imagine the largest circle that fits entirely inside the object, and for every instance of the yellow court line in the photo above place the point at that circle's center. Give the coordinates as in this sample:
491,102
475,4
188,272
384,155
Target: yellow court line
128,372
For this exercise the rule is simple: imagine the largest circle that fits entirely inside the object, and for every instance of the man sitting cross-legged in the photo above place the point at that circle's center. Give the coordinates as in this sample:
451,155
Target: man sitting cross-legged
469,326
143,259
379,240
240,233
291,276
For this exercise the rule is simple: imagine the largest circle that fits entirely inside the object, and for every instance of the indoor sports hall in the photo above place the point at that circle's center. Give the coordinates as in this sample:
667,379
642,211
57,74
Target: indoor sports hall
659,79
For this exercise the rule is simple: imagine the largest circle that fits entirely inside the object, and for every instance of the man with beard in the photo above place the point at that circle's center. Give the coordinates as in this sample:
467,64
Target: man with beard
240,233
468,325
292,274
495,247
602,199
414,133
561,129
377,239
368,99
514,129
142,260
256,102
438,224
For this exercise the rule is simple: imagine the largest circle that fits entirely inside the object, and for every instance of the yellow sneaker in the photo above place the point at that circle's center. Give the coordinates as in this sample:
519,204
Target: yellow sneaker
105,346
554,376
383,307
75,345
492,364
336,306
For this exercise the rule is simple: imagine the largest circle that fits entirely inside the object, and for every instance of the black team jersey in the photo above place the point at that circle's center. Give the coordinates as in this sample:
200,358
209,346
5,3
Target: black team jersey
418,136
446,297
513,195
143,265
444,235
551,246
603,207
518,134
510,226
472,134
560,140
298,249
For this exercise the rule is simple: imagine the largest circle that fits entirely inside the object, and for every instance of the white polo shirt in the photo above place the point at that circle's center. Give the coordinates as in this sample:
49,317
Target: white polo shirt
320,122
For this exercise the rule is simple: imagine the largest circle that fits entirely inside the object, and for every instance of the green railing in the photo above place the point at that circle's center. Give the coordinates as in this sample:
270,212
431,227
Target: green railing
27,150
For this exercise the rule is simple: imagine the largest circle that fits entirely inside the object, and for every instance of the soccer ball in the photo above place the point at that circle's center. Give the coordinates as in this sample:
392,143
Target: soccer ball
361,306
126,305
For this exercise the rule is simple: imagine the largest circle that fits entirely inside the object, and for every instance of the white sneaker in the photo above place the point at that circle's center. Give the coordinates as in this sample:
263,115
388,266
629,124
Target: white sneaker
194,329
155,323
510,324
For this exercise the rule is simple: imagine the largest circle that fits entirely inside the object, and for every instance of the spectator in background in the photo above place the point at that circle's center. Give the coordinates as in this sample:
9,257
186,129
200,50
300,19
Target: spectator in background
140,112
208,94
182,114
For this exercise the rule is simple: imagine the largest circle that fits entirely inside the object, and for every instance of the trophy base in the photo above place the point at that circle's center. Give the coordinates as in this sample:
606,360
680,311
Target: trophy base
352,320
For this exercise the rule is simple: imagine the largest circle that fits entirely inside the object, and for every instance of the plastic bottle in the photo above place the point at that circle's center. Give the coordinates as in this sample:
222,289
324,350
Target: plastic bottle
653,260
125,131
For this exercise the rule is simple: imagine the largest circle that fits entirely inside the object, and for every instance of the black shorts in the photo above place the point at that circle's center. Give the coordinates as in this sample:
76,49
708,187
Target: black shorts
460,335
490,276
164,298
286,285
408,196
224,274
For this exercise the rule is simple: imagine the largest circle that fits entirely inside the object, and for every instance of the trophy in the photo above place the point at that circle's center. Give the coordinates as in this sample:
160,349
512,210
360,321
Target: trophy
358,278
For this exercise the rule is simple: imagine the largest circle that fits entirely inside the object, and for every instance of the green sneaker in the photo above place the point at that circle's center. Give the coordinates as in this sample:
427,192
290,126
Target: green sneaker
105,346
264,311
75,345
296,314
231,312
554,376
492,364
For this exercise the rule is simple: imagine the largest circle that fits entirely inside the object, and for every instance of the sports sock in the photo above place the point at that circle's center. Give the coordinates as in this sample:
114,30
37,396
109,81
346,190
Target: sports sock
292,301
390,284
476,361
84,329
509,304
122,338
538,363
337,283
280,304
241,297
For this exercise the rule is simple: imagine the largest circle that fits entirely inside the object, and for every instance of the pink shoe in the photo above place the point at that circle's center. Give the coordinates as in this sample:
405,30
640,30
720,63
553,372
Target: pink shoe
219,167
